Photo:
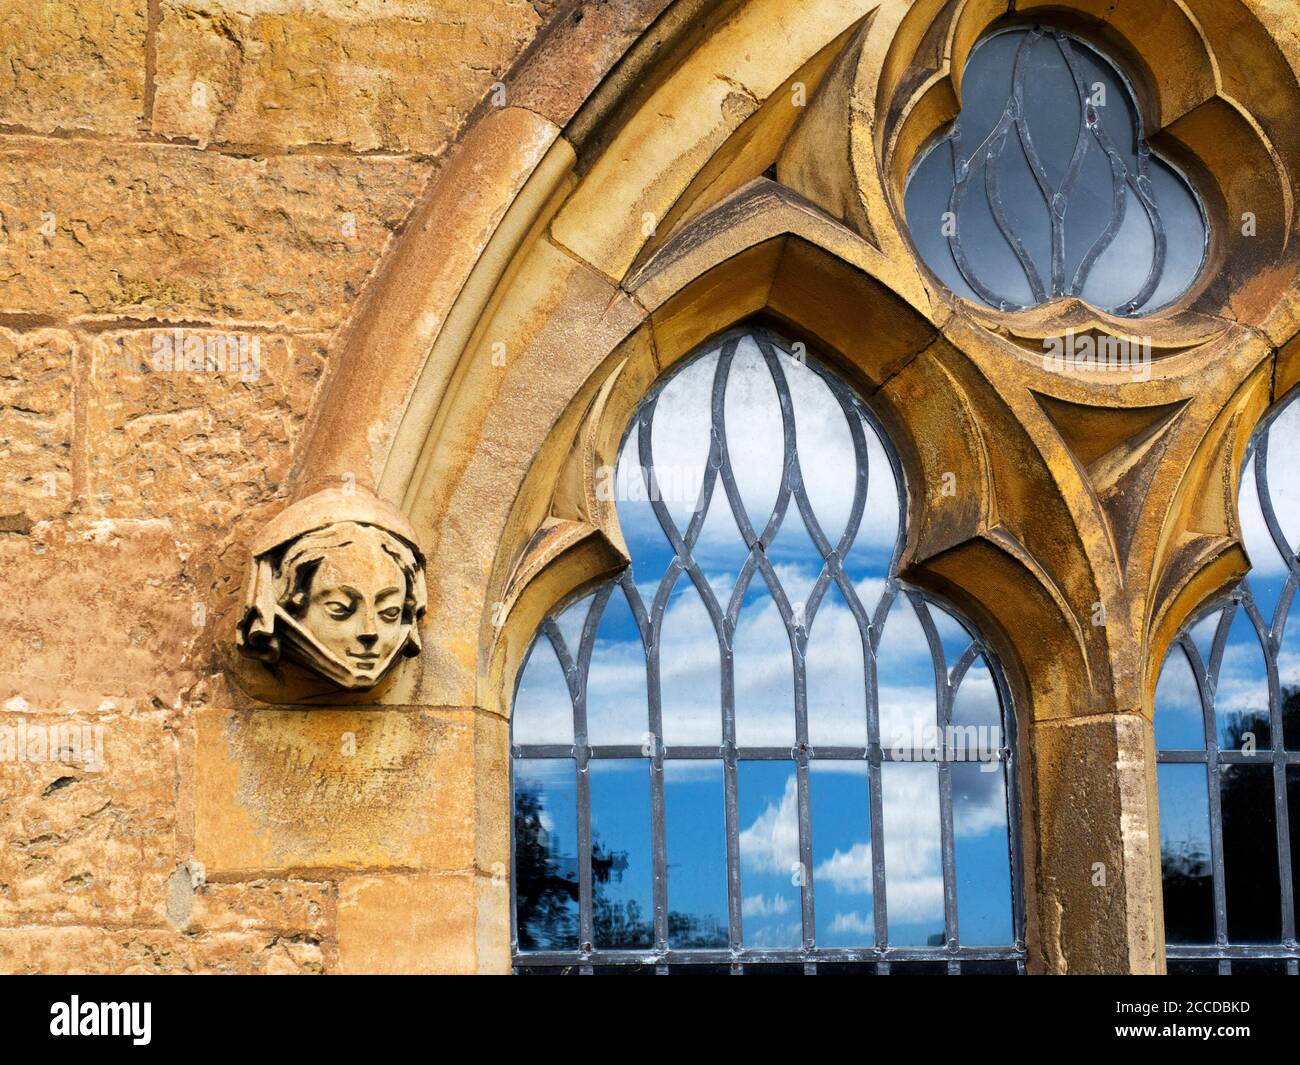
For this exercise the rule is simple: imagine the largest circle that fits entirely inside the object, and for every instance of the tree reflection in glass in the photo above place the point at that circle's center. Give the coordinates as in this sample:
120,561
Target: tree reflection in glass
706,718
1227,725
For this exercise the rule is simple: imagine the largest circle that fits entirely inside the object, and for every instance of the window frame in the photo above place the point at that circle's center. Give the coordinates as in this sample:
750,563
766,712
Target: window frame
1214,758
662,958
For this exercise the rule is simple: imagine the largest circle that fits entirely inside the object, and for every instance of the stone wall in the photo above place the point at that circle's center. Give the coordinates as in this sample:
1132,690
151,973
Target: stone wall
210,176
217,289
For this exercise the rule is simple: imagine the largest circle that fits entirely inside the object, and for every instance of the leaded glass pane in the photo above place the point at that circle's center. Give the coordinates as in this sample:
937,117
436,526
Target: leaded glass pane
1045,186
755,766
1228,690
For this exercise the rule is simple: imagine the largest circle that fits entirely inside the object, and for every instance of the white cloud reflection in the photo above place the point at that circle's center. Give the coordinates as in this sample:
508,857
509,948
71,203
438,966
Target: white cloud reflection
690,678
913,859
1242,685
680,448
1284,491
689,656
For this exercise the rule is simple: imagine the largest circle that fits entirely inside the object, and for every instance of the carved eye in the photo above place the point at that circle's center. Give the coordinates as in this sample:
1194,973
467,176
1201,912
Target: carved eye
338,610
390,614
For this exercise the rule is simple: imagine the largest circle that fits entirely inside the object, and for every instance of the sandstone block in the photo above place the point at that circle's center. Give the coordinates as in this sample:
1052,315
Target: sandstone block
407,924
280,791
155,951
73,66
368,74
300,908
194,426
159,231
95,612
36,426
87,819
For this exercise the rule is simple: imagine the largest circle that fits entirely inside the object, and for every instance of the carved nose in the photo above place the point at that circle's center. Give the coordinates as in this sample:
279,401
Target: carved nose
367,639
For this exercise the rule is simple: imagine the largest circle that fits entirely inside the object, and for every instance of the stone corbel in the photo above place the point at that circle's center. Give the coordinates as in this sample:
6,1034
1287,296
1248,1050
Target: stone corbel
333,599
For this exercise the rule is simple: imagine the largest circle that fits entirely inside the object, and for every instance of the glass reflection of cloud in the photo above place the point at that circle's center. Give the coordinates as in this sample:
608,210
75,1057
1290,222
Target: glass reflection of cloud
689,659
1221,668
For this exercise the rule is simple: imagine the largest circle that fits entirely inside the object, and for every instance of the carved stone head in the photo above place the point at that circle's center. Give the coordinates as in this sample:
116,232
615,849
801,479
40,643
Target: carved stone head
337,585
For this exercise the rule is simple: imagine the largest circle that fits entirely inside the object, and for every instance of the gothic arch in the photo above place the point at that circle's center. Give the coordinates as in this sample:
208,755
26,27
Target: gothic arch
744,158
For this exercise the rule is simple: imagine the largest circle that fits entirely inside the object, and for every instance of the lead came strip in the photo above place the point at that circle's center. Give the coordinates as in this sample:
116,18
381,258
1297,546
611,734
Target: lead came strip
1213,757
798,627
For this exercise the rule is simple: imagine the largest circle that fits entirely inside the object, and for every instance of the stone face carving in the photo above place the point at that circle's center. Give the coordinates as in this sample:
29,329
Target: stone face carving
337,585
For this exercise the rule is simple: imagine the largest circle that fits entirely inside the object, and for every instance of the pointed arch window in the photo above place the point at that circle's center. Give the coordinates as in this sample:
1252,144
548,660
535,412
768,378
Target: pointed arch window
740,753
1227,726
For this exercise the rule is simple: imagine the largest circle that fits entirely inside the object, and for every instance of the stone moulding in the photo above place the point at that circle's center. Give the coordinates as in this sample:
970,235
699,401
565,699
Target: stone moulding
560,262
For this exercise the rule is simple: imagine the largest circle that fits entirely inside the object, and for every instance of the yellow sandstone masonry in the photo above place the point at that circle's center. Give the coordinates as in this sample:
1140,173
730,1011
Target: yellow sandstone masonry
97,610
252,249
194,445
156,951
292,791
73,66
87,845
366,75
408,924
146,230
36,426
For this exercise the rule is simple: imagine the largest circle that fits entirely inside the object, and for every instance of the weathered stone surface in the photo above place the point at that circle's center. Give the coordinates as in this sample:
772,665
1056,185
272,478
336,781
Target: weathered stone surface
335,588
578,50
196,445
493,802
649,162
407,924
549,354
87,829
95,611
368,74
36,426
294,908
280,791
382,360
494,922
73,66
170,232
1099,891
155,951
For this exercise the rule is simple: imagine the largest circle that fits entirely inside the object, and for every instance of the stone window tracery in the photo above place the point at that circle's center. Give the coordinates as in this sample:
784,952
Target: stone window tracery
1045,185
740,750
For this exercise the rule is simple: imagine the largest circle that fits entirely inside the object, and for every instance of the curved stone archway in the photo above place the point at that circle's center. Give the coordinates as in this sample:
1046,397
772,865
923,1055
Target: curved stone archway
743,158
